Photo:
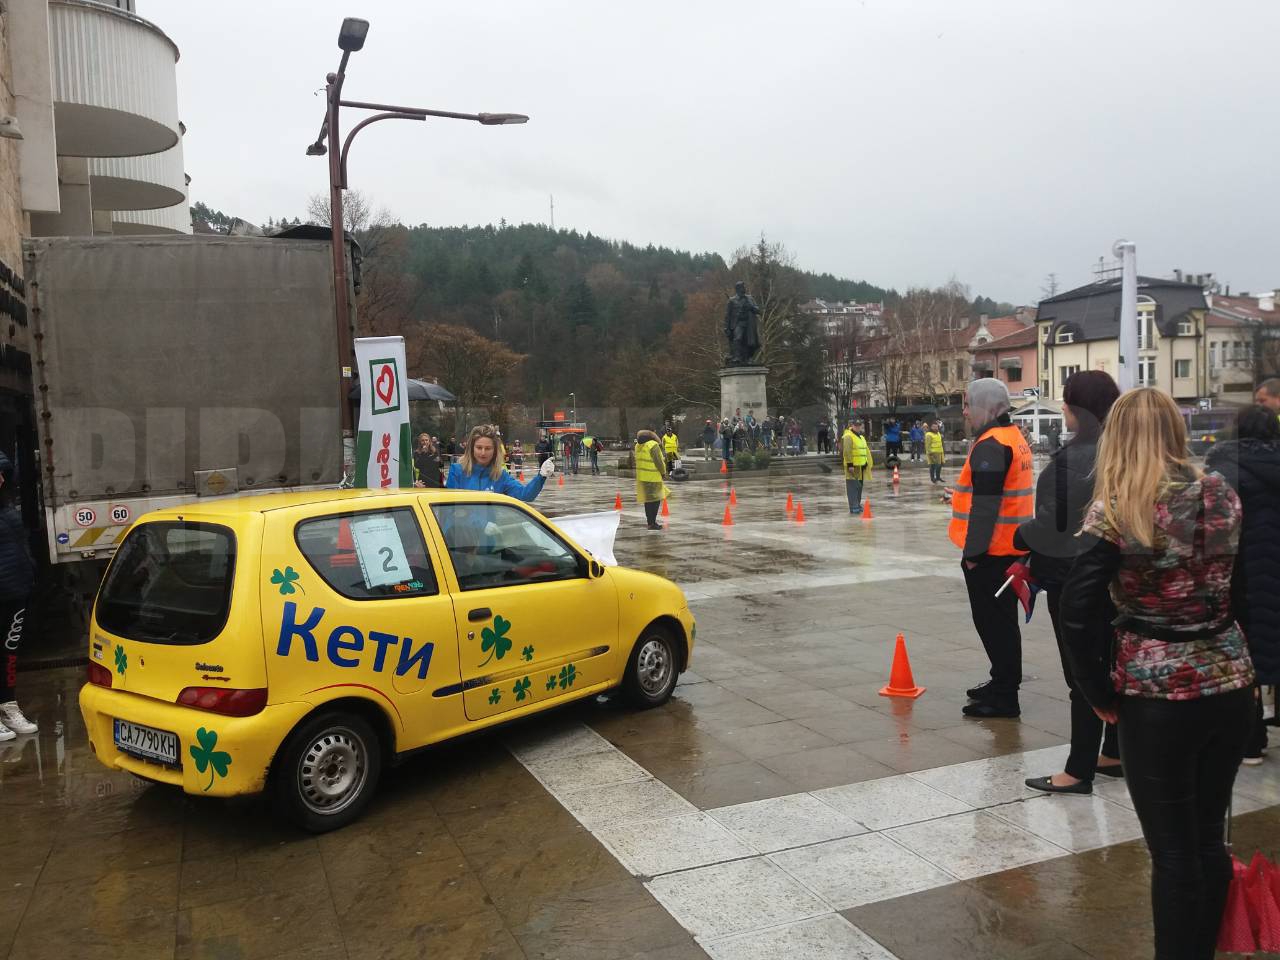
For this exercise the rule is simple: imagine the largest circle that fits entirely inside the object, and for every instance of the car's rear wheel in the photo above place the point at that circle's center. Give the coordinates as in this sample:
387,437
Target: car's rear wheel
653,668
327,771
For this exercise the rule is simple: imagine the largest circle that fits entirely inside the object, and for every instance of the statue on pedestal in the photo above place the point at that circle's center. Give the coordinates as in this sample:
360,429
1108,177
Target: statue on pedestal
741,327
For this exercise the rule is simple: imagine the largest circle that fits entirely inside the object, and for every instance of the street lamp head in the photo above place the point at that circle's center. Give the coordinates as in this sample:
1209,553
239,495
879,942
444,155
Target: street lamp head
351,36
316,149
501,119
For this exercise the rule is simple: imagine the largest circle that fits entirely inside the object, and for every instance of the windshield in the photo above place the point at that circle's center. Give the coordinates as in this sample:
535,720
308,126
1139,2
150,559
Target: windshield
169,583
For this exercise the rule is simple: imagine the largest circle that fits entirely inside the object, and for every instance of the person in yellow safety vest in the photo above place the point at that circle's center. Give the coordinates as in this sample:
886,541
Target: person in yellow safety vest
934,451
651,472
855,454
670,447
995,493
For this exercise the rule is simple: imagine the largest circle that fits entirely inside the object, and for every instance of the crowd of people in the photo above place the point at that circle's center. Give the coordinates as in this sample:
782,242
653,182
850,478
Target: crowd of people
1162,581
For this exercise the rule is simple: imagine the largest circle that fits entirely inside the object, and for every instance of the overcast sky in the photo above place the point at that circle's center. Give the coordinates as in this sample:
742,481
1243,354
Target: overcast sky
897,141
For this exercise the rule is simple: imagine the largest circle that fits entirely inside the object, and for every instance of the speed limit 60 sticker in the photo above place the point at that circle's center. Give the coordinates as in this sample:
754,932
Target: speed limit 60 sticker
86,517
120,514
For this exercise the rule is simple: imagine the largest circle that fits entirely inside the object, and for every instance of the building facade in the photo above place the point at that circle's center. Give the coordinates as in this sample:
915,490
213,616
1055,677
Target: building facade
1241,335
1080,330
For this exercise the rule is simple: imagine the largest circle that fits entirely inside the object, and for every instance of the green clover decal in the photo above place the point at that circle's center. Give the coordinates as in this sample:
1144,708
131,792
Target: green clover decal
122,660
495,696
521,689
287,581
567,675
527,652
205,756
551,682
495,639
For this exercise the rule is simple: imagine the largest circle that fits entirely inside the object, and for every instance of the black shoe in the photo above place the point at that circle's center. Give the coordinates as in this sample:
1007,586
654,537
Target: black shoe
655,526
1047,785
1115,770
981,692
992,710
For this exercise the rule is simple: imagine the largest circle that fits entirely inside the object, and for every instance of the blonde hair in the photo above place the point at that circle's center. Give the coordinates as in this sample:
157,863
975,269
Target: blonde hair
1143,448
467,461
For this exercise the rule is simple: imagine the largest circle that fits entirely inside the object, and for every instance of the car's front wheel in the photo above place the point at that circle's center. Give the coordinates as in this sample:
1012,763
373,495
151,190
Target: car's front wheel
327,771
653,668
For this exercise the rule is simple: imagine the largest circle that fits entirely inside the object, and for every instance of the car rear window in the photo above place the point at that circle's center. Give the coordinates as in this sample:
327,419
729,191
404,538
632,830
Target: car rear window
170,582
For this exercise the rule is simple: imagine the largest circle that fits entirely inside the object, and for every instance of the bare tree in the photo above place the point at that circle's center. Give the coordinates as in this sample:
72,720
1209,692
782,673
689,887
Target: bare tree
922,331
1050,287
387,288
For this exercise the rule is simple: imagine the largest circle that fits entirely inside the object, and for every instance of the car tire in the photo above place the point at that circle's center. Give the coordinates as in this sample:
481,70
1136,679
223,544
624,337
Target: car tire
653,669
327,771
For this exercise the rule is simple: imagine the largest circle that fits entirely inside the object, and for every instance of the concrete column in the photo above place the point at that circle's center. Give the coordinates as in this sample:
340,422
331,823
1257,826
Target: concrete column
76,218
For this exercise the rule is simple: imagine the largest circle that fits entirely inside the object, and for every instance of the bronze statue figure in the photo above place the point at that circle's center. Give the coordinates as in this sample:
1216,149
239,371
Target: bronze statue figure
741,327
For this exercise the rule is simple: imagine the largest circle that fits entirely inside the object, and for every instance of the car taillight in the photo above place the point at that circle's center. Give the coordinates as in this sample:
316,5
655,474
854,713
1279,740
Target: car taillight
99,676
231,703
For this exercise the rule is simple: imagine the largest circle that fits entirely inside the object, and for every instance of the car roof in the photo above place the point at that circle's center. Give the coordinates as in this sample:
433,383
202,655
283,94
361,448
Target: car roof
266,502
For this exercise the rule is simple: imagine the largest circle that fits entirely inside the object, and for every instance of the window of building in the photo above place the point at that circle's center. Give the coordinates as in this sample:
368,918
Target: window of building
1182,369
1064,372
924,372
1015,374
1146,323
1146,373
1065,336
1213,354
1186,327
1044,388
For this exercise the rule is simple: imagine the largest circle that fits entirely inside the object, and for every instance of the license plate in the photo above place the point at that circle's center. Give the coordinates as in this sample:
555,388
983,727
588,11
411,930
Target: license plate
147,742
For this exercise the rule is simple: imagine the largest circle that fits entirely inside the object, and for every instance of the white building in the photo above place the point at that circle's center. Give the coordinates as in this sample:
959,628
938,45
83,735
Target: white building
97,102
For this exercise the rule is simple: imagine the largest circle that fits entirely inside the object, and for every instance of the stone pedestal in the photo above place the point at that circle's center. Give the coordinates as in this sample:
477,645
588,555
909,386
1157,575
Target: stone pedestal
743,388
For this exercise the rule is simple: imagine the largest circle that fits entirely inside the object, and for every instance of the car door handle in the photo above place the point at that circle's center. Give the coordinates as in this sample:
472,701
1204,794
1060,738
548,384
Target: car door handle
478,614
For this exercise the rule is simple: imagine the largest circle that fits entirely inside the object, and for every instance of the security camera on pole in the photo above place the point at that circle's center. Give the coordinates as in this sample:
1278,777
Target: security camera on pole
1126,378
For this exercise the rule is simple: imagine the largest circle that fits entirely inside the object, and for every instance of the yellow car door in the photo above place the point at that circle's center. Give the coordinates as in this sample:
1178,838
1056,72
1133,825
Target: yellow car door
353,605
533,625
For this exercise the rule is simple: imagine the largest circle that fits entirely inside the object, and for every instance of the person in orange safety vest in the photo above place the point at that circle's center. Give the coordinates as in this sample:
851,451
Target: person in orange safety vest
995,492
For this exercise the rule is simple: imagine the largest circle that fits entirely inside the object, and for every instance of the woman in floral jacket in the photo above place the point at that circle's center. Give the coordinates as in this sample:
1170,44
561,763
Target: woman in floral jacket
1180,687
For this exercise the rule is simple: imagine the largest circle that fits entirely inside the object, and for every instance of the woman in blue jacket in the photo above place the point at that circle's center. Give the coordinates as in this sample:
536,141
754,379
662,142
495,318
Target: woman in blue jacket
481,468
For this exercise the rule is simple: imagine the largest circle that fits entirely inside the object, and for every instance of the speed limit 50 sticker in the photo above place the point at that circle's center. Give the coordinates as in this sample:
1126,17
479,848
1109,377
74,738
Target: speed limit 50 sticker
120,514
86,517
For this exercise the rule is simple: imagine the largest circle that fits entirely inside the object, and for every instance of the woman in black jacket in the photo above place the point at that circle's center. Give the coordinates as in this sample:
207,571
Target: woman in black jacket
1251,464
1063,494
17,580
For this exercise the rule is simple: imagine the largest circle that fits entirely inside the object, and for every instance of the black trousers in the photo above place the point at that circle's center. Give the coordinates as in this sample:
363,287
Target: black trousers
13,616
1087,728
1180,761
996,620
651,511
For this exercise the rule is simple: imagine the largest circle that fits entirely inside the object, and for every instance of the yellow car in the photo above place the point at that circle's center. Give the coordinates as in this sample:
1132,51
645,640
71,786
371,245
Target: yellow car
297,642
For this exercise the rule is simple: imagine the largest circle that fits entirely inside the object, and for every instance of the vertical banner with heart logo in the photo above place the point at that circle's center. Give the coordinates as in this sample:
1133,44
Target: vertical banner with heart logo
384,451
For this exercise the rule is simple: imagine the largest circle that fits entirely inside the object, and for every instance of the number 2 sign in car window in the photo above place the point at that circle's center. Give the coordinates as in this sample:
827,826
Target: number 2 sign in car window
380,550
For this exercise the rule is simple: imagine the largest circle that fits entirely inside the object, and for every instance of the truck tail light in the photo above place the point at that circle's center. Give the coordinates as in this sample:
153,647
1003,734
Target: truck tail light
230,703
99,675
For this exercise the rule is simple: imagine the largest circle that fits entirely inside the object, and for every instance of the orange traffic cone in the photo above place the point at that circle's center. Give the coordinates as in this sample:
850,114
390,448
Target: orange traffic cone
728,516
666,512
560,483
901,683
866,509
799,513
724,466
896,478
617,501
733,496
791,504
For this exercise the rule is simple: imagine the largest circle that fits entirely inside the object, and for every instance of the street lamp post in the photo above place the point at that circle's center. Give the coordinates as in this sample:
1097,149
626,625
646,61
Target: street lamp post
573,407
329,142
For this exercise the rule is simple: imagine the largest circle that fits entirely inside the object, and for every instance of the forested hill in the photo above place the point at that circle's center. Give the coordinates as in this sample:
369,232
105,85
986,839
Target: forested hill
557,311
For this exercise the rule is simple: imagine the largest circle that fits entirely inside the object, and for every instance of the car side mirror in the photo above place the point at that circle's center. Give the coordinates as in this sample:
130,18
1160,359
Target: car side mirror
596,569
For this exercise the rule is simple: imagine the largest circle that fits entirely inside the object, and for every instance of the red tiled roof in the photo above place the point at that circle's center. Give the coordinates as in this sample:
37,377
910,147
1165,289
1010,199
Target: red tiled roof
1024,337
1243,308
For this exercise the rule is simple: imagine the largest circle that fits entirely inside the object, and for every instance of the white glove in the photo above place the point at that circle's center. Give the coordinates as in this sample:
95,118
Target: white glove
548,468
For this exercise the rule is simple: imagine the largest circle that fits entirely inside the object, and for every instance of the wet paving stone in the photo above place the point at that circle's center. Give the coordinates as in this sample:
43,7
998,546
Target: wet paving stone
777,807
